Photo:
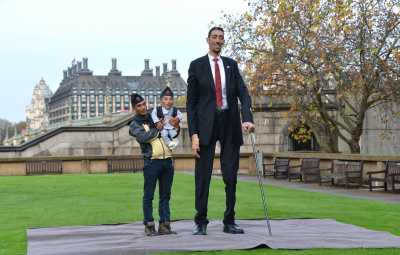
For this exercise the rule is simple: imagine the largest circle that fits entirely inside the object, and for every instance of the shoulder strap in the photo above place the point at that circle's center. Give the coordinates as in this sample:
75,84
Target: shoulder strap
174,111
160,114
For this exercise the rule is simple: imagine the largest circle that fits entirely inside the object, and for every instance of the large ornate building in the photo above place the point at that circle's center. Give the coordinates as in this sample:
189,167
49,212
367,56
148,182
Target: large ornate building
37,111
84,95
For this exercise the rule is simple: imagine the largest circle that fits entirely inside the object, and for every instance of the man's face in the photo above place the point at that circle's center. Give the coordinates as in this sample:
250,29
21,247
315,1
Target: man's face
216,41
167,102
140,108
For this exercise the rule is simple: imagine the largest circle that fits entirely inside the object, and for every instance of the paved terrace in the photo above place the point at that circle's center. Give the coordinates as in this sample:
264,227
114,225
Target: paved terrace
363,193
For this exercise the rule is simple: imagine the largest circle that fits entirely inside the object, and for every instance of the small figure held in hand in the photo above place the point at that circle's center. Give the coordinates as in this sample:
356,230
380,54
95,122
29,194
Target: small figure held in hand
171,117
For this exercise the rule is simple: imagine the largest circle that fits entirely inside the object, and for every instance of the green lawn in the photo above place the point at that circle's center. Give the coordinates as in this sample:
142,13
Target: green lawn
67,200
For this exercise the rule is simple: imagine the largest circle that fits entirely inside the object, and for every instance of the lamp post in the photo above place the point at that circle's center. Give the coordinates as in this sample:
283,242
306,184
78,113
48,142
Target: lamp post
75,106
107,117
168,79
108,105
26,135
69,121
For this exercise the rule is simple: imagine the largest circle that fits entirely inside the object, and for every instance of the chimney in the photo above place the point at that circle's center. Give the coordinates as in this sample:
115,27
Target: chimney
114,71
164,68
157,71
73,69
85,64
85,70
173,65
147,71
65,74
174,72
79,66
114,63
69,72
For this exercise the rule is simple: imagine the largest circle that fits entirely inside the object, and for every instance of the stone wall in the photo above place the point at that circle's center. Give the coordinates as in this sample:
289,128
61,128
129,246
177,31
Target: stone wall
271,136
98,164
185,162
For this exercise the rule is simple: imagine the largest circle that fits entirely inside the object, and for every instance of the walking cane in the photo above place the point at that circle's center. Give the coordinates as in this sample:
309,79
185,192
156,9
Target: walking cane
261,186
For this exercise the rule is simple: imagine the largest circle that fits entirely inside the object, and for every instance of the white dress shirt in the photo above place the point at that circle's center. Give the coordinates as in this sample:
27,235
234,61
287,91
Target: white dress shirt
223,80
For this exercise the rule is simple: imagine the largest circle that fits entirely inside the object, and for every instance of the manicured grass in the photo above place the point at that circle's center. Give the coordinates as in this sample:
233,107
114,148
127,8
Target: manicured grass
68,200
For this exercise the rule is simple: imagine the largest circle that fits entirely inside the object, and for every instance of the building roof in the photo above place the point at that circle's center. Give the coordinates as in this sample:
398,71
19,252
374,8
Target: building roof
80,80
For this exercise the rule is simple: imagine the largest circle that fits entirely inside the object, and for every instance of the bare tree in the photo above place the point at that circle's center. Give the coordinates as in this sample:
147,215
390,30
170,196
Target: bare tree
8,128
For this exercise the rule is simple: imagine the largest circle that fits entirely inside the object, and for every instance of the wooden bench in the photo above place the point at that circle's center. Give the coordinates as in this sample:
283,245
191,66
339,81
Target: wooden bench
43,167
279,167
349,171
391,174
308,167
116,165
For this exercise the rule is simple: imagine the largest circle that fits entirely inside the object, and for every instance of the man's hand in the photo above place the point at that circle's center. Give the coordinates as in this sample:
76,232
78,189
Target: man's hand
248,127
174,122
160,124
195,146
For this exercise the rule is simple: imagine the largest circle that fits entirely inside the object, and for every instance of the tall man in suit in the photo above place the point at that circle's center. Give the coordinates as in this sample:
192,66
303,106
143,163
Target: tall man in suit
214,86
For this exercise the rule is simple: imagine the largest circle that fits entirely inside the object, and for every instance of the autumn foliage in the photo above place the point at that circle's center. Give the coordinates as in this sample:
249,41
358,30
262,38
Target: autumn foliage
332,61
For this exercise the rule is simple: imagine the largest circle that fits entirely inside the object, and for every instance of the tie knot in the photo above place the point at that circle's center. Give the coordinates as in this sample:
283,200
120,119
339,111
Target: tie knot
216,60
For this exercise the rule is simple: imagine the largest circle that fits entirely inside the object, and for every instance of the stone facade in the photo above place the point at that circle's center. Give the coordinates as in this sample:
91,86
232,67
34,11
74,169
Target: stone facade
271,136
82,95
373,127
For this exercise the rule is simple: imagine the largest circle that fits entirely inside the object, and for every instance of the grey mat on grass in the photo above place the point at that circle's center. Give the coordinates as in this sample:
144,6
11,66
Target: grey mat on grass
129,239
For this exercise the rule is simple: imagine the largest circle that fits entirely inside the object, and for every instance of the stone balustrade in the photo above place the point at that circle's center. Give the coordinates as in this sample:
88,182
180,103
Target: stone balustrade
185,162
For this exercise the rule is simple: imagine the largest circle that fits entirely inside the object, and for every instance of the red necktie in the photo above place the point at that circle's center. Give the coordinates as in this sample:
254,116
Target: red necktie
218,90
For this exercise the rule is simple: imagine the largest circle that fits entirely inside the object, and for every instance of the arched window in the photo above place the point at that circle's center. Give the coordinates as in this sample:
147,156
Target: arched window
309,143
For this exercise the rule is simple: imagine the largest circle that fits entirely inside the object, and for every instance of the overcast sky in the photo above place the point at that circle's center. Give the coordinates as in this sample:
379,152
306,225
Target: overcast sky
40,38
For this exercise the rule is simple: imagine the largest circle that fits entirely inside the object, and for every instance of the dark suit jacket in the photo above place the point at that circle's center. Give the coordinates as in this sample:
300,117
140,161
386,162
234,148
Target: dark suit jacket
201,101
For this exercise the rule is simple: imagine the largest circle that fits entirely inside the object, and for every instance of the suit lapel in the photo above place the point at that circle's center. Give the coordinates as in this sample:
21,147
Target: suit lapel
227,68
207,70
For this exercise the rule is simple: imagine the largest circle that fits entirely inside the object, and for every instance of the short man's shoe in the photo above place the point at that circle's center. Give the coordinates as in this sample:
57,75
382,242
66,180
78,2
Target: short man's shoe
165,229
200,229
233,229
172,145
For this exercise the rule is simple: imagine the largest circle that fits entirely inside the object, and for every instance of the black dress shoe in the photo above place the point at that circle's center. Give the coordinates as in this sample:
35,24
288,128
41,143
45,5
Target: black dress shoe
200,229
233,229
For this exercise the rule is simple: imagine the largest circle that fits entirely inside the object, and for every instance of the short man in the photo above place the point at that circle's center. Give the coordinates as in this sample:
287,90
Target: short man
167,110
214,87
157,166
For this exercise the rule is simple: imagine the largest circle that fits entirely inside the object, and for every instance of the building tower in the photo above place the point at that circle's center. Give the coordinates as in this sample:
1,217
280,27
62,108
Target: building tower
37,111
